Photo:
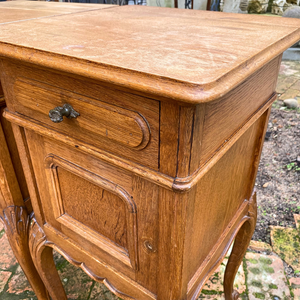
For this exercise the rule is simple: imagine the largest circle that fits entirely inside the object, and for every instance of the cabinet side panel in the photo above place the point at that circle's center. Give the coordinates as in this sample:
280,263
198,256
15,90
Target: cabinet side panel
221,191
224,117
11,194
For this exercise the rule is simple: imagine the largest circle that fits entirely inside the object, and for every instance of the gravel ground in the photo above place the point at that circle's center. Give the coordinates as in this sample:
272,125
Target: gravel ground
277,182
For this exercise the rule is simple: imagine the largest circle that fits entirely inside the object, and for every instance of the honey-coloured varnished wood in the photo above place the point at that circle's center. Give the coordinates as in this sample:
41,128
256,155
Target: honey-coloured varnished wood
43,260
239,249
13,210
192,68
140,146
16,224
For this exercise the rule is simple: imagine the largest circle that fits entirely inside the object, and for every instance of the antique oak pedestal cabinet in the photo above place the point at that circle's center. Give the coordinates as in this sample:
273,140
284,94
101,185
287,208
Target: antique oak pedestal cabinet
139,130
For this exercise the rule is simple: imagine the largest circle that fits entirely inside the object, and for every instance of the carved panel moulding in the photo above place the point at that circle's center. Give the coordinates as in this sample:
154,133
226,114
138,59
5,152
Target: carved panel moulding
126,127
127,255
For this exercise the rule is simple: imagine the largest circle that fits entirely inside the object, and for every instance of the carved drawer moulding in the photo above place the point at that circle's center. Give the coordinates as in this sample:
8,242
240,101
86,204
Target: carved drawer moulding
123,126
128,254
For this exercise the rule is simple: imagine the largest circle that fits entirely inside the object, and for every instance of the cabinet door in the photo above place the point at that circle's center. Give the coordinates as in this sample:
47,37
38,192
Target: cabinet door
86,200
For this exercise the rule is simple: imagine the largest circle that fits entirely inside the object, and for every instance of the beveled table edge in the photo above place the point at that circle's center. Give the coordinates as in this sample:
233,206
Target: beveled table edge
152,85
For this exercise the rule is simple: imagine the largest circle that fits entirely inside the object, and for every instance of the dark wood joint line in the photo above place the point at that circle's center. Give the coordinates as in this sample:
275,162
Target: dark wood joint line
2,102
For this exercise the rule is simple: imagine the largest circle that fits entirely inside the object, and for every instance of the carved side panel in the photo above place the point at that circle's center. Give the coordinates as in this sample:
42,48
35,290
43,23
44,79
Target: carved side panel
222,190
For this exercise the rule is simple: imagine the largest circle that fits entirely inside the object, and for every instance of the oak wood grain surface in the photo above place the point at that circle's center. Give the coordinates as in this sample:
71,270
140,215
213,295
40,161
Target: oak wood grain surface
17,11
61,7
142,47
109,118
150,185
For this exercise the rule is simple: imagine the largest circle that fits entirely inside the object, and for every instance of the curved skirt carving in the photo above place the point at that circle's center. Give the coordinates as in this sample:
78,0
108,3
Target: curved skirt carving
41,251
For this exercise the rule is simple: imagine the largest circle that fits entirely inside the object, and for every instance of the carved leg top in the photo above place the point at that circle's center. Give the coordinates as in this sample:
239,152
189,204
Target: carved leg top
16,222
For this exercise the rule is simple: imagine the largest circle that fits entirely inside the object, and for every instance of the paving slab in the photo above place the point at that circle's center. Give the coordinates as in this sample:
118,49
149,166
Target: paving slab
285,83
295,85
286,243
19,283
297,219
265,278
288,69
295,285
76,282
4,277
213,289
292,64
7,256
260,246
290,93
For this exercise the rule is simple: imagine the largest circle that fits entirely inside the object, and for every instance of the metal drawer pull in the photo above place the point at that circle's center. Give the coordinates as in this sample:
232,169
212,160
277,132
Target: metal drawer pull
56,114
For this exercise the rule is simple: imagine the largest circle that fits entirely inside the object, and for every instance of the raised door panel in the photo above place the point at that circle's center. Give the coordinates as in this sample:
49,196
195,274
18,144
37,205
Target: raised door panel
103,211
87,200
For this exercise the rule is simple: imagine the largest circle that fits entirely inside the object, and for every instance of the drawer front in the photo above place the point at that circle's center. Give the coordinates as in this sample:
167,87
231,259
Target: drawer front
123,124
95,121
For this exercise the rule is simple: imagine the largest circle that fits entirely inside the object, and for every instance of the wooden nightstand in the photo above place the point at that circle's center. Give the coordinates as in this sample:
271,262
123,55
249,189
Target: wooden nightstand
140,131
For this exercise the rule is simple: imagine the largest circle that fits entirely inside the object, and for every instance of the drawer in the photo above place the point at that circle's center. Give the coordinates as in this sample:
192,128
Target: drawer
116,129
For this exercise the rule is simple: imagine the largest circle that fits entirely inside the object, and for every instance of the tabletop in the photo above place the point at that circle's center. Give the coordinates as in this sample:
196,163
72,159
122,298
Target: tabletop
191,56
17,11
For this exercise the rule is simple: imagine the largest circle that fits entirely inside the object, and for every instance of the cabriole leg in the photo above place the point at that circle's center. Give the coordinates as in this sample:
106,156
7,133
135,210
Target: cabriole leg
239,249
16,223
42,256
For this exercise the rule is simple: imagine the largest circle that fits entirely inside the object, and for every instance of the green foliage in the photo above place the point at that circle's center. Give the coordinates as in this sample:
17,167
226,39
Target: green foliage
292,166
